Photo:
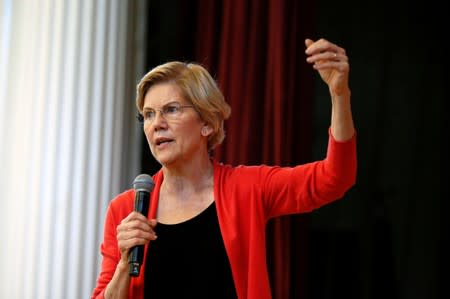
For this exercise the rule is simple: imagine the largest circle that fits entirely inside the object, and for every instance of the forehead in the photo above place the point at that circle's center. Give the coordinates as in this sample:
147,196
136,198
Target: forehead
163,93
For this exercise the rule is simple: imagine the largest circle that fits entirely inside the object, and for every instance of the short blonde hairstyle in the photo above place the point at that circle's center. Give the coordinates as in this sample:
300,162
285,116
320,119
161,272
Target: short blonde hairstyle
198,87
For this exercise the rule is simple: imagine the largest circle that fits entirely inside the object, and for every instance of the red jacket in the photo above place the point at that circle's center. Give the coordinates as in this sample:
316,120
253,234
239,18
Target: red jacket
246,198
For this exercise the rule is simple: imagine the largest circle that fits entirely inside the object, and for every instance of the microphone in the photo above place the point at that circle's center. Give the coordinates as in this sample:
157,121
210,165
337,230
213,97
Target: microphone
143,186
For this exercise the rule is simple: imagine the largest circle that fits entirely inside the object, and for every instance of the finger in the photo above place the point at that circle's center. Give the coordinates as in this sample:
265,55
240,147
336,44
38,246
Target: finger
327,56
125,239
315,47
129,229
123,235
135,225
341,66
129,234
135,215
308,42
153,222
323,45
126,245
138,224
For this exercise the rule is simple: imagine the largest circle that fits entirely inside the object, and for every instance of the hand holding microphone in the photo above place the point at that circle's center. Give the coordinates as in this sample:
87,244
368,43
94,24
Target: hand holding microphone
136,230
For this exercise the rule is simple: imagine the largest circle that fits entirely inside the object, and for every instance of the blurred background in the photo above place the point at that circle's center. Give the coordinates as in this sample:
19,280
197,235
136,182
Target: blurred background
70,142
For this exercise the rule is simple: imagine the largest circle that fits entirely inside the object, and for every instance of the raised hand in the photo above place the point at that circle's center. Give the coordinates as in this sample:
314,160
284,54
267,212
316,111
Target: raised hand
331,62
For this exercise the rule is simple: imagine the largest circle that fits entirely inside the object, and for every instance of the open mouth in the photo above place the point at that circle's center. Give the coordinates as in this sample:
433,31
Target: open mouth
163,141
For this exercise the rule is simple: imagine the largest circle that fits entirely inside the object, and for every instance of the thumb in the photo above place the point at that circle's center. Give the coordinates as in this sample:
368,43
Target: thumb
308,42
153,222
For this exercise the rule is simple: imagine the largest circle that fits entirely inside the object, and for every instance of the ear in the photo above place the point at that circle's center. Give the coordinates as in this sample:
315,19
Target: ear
206,130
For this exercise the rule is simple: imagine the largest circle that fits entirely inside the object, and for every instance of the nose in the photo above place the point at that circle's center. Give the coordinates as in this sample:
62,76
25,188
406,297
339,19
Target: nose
159,122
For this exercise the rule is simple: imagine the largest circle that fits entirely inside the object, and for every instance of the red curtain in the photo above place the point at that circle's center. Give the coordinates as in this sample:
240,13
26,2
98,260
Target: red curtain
255,50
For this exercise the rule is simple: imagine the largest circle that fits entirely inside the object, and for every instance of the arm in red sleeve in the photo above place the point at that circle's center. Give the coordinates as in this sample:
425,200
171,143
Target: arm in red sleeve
110,253
306,187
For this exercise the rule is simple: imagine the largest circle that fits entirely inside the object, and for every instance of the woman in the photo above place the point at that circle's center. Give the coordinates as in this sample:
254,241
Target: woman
206,226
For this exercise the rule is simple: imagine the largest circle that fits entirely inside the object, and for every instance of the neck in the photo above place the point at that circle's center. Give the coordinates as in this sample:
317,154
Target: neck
191,176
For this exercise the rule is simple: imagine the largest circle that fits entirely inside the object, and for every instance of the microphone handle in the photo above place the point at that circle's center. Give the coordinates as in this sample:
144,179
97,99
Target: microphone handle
136,255
135,260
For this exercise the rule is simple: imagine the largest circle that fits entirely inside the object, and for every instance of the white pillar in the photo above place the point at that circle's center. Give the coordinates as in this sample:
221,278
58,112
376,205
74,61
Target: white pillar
68,140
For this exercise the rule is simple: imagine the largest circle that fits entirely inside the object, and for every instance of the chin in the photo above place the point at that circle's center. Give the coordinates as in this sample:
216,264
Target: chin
165,160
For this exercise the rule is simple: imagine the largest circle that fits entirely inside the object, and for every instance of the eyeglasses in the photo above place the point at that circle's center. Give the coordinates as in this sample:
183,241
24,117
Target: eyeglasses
170,111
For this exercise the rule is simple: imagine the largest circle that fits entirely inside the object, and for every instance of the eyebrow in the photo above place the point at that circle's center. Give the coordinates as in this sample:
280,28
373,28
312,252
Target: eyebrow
167,104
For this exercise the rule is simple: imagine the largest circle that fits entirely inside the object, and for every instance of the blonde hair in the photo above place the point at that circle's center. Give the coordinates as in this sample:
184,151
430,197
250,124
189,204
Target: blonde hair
198,87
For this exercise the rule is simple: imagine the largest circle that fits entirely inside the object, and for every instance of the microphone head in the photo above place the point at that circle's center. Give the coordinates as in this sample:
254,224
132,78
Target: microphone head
143,182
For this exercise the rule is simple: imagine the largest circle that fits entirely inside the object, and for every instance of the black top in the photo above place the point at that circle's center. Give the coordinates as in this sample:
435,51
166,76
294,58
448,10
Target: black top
188,260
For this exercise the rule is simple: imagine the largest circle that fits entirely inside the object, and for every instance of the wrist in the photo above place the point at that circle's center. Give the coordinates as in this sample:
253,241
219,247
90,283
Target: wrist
340,94
122,266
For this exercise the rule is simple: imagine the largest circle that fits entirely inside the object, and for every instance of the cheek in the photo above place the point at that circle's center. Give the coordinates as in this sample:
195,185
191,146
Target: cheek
192,133
148,135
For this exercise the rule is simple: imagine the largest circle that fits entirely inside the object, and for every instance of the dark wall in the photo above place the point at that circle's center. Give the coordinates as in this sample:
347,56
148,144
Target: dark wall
386,238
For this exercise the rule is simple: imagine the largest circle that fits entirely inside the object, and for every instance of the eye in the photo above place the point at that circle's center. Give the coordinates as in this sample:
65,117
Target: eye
149,114
171,109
